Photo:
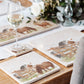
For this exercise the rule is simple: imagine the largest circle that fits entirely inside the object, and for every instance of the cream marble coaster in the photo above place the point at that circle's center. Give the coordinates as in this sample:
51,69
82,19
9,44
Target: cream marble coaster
19,49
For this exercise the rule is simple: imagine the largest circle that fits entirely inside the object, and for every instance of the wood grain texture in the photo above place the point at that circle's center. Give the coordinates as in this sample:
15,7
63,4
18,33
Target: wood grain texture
61,77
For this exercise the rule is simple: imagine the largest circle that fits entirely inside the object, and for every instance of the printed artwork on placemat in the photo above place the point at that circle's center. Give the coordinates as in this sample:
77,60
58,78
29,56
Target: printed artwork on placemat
61,46
65,50
29,67
8,34
25,3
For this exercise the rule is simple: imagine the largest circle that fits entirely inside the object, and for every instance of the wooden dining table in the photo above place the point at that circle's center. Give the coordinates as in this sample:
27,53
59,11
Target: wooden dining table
61,77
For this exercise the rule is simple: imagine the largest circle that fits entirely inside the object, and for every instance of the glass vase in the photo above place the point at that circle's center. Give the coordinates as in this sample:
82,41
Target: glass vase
68,13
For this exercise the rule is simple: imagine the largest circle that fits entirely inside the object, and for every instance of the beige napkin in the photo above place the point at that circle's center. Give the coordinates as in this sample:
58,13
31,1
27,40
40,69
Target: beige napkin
78,69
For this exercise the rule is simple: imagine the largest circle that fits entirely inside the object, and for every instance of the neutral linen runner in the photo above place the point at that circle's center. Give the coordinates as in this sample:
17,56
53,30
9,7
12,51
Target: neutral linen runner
78,68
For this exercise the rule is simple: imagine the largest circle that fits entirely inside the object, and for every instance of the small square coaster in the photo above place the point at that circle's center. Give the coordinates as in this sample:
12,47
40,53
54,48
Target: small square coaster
19,49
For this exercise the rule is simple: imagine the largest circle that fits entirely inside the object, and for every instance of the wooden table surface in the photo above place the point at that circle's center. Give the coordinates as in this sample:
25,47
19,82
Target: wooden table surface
61,77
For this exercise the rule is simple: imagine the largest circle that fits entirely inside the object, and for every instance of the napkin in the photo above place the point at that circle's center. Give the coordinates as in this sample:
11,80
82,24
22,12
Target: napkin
78,68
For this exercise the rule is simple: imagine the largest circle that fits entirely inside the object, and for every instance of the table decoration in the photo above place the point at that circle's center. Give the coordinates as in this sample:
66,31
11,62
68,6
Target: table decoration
26,69
68,13
61,45
77,7
46,10
7,33
52,10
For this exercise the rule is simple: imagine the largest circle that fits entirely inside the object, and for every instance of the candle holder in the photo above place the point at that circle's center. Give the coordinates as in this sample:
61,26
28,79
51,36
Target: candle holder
68,13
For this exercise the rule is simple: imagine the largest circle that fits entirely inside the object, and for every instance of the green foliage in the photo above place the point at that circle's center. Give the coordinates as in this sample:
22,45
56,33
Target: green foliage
76,7
73,3
29,19
62,3
50,11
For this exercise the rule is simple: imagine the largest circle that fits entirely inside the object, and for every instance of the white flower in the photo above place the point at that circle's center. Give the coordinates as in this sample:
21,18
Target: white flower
37,8
42,5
